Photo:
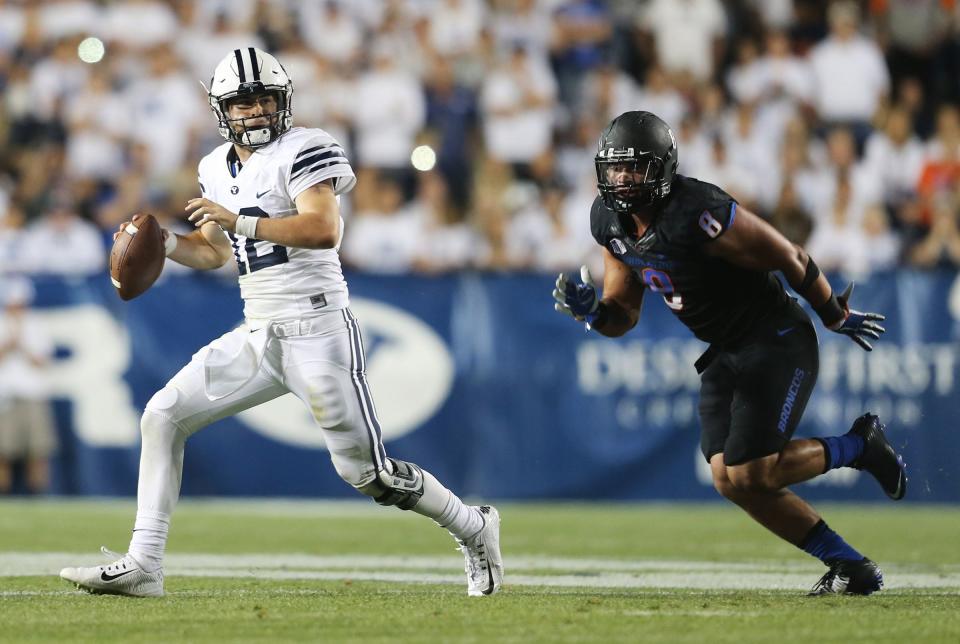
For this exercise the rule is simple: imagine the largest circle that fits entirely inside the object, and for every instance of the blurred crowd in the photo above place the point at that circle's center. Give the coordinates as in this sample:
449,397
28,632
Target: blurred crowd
837,121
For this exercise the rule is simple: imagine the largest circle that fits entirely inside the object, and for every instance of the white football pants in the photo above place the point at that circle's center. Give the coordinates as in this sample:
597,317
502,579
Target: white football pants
320,360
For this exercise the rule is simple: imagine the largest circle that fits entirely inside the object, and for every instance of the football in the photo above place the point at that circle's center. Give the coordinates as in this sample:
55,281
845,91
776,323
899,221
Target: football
137,256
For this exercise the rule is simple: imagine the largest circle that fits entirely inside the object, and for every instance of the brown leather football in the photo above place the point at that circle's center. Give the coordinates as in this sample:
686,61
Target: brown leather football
137,256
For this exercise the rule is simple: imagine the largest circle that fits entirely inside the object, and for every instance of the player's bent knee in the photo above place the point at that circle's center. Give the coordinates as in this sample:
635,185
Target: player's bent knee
724,487
159,417
750,480
157,428
402,486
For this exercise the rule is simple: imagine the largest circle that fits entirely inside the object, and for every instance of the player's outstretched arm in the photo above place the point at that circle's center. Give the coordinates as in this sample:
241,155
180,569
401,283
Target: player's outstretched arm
752,243
316,224
619,309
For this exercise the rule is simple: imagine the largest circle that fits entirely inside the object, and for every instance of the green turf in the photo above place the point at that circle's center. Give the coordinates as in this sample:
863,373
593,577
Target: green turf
201,609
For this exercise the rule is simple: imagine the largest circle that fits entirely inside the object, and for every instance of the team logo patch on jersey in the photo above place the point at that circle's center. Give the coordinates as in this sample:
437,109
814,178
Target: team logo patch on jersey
618,246
234,190
318,301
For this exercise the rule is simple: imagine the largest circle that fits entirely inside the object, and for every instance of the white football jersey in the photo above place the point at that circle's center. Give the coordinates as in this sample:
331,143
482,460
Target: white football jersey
278,283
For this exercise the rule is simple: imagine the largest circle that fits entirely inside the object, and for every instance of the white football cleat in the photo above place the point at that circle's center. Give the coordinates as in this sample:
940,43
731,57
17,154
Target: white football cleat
481,553
122,577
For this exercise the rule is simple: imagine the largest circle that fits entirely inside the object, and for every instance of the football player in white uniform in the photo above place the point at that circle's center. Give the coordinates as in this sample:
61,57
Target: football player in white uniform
269,201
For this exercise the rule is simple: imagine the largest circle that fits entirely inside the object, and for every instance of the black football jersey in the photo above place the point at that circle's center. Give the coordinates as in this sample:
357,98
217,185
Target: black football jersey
717,300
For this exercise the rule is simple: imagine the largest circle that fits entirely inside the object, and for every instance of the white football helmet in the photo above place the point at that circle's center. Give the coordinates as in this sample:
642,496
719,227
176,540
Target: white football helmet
251,71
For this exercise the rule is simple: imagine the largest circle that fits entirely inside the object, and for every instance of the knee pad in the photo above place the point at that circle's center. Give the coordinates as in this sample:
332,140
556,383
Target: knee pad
158,432
402,486
159,416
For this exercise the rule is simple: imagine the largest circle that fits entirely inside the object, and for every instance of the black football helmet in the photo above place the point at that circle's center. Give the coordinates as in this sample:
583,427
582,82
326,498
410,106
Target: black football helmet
636,161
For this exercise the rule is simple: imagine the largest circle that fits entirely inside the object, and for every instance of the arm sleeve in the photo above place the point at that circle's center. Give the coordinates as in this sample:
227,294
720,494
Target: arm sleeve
320,158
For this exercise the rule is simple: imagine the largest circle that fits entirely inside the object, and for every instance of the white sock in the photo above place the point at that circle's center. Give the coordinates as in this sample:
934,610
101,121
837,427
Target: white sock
158,486
149,539
446,508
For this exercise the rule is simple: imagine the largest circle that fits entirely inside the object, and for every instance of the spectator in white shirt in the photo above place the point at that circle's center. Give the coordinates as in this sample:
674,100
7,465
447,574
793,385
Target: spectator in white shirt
751,142
333,32
12,257
687,34
895,156
608,92
166,109
325,101
728,172
63,18
696,145
97,127
455,25
388,111
139,25
850,74
54,79
839,241
383,236
517,100
544,231
447,242
239,13
62,243
658,95
27,432
575,154
842,167
528,21
202,47
883,243
13,26
783,76
779,83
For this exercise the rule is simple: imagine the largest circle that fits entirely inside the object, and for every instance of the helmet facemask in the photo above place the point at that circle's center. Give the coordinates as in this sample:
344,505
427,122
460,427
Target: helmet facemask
627,181
250,135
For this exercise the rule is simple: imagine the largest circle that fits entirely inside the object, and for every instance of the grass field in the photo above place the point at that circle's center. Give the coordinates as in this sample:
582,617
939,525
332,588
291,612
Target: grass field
339,572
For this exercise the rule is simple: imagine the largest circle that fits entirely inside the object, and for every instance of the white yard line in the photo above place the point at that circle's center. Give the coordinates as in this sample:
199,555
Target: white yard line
534,571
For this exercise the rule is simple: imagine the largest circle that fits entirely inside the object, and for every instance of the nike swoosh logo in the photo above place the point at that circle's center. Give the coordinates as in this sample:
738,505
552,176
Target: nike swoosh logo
260,194
901,484
105,577
489,590
785,331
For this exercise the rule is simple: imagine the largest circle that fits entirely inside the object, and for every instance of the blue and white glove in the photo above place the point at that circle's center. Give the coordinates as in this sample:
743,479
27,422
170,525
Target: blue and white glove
857,324
579,301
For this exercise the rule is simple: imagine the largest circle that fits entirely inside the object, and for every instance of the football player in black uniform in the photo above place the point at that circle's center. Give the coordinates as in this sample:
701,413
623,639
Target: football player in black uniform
713,262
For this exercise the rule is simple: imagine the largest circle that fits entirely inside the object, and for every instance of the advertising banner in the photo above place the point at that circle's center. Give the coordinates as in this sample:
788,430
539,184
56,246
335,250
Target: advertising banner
477,379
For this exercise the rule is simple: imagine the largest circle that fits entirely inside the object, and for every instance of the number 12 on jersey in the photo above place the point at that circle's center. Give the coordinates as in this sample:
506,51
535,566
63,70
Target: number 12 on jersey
256,254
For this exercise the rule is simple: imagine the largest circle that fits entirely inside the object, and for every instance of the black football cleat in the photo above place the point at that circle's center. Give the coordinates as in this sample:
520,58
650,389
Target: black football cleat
849,578
879,457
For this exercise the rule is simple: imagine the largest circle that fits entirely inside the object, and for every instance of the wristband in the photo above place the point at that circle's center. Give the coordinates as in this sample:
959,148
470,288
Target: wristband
831,312
170,243
810,276
246,226
598,318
